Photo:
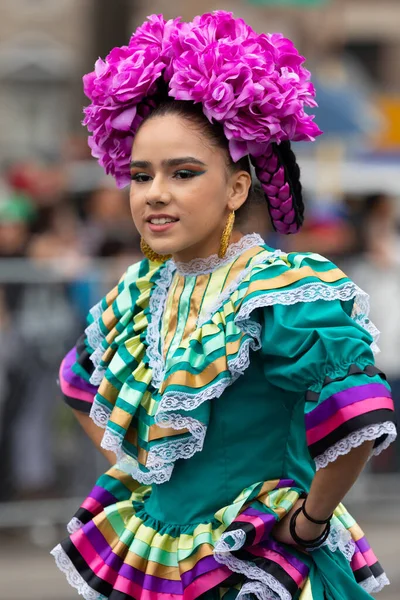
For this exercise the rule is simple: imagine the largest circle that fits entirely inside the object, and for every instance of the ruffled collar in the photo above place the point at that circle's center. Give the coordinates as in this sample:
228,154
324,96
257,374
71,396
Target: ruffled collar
203,266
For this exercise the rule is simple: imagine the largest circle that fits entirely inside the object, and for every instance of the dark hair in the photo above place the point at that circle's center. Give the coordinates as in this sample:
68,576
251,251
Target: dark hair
214,132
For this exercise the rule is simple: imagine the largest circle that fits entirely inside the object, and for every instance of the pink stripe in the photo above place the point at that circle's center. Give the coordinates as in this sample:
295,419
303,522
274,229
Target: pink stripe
90,556
358,561
122,584
345,414
370,557
206,582
92,505
73,392
278,558
126,586
258,524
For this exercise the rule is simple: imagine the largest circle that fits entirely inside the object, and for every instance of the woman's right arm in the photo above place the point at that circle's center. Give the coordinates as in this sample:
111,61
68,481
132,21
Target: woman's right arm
95,433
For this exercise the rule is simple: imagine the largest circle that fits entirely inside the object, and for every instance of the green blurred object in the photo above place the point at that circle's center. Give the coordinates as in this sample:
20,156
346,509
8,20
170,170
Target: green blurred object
288,2
16,209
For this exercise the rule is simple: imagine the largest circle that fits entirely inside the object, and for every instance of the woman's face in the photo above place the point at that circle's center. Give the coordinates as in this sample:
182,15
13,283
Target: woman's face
181,191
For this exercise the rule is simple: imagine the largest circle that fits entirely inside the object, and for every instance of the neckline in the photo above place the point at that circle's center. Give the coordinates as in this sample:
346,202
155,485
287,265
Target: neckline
203,266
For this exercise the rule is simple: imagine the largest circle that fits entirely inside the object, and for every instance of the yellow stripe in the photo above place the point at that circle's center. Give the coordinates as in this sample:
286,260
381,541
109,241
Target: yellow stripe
112,294
173,321
207,376
109,319
292,276
306,593
195,303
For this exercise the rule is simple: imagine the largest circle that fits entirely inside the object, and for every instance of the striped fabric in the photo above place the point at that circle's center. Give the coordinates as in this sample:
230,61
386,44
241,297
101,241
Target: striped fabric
147,353
346,406
122,552
119,551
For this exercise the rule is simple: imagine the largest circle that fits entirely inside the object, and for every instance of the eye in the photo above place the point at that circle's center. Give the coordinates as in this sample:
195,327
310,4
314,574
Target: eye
186,174
140,177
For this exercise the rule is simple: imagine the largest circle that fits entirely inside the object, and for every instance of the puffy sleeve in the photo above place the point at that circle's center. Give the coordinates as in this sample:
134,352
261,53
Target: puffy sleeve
318,349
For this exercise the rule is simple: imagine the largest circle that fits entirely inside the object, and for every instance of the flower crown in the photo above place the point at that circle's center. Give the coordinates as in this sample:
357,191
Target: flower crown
253,84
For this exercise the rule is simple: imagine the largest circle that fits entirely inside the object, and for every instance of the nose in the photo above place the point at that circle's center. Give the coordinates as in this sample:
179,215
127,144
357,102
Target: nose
158,192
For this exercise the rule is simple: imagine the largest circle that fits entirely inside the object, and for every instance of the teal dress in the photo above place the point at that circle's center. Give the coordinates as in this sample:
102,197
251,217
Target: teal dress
222,385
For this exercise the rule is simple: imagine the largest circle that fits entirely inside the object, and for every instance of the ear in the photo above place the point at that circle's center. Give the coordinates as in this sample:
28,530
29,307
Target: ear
240,183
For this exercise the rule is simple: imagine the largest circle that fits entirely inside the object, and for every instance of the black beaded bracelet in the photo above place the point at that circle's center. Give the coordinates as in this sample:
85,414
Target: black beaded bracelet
308,544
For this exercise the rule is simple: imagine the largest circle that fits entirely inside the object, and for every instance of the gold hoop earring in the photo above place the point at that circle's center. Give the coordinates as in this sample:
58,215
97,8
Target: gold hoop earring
226,235
150,254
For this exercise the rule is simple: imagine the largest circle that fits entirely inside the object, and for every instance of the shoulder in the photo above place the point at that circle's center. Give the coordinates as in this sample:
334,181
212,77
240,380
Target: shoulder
295,278
280,269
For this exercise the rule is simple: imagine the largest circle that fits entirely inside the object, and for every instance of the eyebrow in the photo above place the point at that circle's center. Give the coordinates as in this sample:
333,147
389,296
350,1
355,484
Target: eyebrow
171,162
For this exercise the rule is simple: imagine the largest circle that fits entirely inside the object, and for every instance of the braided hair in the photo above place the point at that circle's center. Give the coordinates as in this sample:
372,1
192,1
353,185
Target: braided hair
279,176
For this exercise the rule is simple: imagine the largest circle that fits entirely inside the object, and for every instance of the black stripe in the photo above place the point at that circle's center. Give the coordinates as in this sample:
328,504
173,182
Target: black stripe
248,528
80,405
81,344
83,355
370,370
365,572
97,584
270,567
84,515
369,418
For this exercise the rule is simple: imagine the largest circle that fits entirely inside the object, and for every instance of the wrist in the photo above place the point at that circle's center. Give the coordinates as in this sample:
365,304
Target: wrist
306,529
316,511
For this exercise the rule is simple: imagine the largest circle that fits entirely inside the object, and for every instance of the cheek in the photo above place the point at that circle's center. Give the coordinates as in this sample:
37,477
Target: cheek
136,206
206,199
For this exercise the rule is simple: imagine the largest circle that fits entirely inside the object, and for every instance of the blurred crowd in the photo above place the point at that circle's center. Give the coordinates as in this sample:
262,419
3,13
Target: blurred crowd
63,243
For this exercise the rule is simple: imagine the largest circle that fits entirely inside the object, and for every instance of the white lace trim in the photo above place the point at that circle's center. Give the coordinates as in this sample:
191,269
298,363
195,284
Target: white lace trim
355,439
207,313
98,373
177,421
97,310
269,588
93,332
311,292
185,401
239,539
360,314
159,474
160,459
99,414
74,579
74,525
257,589
153,334
373,585
202,266
339,539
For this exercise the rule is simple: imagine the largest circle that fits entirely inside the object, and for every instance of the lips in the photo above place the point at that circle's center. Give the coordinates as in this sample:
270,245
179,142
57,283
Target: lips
161,219
161,223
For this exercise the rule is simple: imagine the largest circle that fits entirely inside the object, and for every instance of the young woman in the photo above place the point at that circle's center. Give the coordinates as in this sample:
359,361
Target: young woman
231,385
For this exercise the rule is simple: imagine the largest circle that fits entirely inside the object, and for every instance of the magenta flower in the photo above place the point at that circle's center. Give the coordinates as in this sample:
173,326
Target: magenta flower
254,84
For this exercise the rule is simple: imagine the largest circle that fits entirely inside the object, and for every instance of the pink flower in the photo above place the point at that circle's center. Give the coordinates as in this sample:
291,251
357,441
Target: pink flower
254,84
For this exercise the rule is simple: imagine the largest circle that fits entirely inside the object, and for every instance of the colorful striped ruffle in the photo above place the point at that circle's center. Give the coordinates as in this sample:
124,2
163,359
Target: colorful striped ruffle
119,551
350,410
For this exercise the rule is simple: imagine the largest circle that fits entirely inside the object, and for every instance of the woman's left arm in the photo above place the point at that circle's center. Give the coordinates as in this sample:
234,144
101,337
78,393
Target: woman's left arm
327,490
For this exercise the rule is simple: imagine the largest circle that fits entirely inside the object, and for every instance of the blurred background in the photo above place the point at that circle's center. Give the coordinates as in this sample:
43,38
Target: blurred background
66,236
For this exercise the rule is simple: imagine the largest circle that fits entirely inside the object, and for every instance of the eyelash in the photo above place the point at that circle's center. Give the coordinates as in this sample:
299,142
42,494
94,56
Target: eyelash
190,174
